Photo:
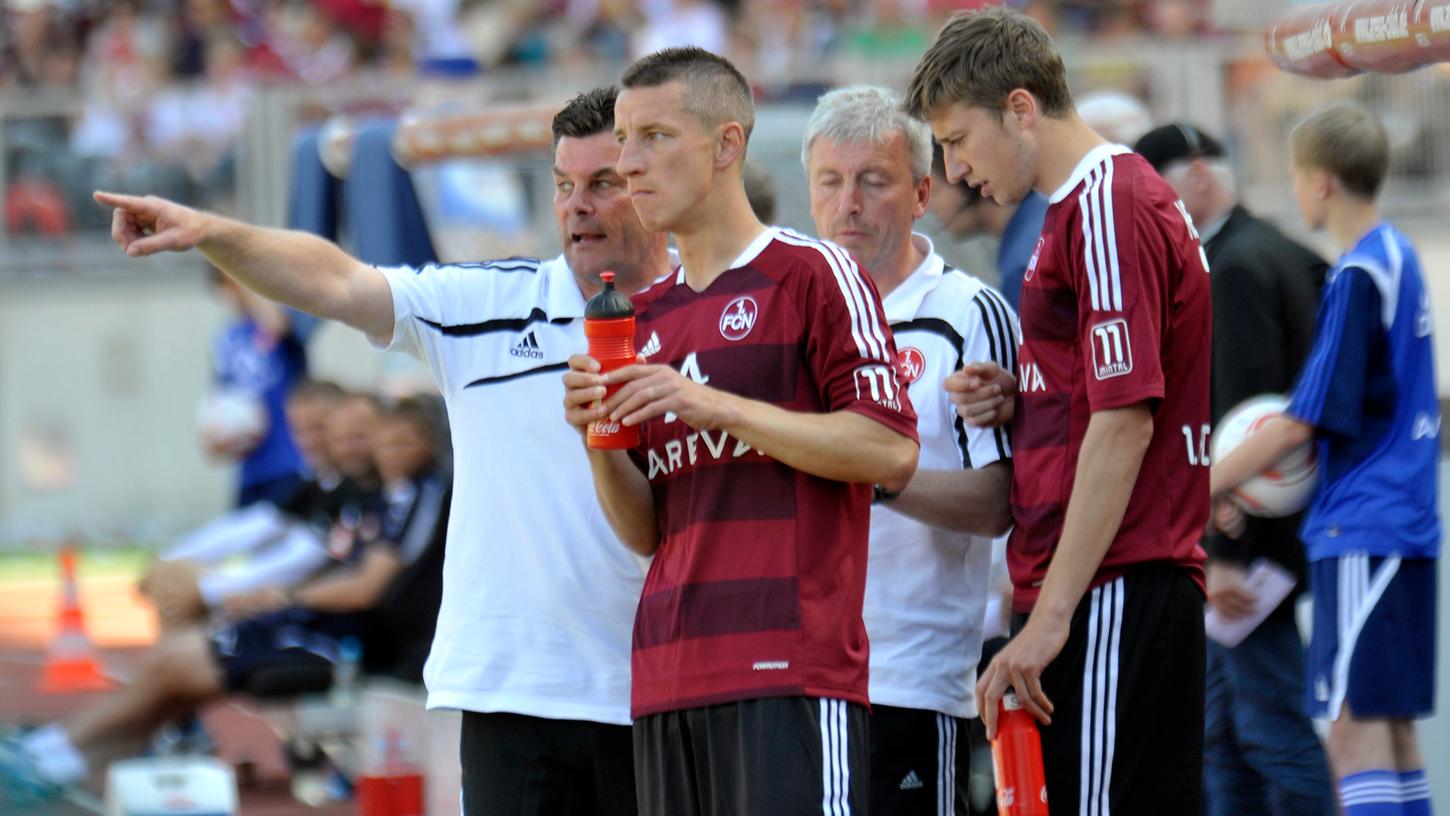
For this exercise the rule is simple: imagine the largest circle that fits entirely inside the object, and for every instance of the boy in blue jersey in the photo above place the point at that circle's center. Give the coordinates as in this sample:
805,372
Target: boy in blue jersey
262,353
1366,398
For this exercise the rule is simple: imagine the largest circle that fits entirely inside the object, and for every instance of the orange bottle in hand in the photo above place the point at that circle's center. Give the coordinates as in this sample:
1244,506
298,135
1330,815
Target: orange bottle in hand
609,325
1017,761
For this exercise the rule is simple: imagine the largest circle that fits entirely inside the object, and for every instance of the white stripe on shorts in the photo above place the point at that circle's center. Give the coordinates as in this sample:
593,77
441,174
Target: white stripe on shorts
1100,698
835,759
1358,594
946,765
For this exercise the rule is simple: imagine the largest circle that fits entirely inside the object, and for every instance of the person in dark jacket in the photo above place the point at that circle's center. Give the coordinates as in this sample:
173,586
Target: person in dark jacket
1261,753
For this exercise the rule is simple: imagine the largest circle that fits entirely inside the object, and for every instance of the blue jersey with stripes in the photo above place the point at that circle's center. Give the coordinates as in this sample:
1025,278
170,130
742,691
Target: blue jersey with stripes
250,360
1368,389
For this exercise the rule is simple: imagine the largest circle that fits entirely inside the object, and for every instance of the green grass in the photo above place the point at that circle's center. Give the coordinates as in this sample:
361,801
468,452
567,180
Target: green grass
128,559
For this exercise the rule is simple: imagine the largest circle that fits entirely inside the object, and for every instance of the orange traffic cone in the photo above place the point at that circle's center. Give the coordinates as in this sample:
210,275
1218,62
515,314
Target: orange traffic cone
71,664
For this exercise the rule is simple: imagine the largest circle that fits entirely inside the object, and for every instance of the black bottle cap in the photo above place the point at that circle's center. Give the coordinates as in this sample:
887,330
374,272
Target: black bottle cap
609,304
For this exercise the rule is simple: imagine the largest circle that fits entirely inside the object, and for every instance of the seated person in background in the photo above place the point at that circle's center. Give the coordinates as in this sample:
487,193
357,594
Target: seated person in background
339,519
299,627
283,544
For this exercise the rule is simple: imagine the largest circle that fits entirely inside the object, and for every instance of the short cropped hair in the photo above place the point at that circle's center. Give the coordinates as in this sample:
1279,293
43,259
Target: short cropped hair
586,114
982,56
715,91
870,114
1349,142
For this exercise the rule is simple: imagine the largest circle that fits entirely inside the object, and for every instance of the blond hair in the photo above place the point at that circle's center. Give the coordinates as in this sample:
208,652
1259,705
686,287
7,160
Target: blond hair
1349,142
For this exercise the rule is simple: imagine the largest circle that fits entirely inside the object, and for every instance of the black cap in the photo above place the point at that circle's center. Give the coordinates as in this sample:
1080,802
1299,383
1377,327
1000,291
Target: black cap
1175,142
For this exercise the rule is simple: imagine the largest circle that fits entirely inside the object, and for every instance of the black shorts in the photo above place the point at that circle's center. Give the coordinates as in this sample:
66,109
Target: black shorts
1127,730
286,638
920,763
516,765
778,755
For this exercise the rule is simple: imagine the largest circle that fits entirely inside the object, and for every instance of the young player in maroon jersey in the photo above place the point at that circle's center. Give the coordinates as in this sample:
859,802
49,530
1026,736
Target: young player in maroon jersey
769,406
1110,491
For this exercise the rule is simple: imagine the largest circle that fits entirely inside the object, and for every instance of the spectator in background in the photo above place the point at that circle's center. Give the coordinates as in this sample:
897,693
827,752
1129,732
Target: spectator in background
198,21
1116,116
201,122
669,23
888,31
282,544
42,49
312,45
261,354
1260,750
760,189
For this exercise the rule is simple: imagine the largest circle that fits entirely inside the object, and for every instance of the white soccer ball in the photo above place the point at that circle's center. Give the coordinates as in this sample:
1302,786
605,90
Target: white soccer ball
1282,490
232,420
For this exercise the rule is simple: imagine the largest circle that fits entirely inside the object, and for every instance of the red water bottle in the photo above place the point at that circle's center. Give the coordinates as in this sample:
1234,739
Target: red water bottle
609,325
395,786
1017,761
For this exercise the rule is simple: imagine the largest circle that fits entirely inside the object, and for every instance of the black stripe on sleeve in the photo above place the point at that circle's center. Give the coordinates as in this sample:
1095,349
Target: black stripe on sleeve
509,324
949,333
930,324
1004,314
503,378
998,340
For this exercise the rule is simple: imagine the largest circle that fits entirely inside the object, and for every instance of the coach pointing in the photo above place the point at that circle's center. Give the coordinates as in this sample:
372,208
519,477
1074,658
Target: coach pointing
533,635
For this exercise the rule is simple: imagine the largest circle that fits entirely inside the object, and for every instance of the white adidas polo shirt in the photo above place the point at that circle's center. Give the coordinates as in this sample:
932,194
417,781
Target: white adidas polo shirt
538,594
926,588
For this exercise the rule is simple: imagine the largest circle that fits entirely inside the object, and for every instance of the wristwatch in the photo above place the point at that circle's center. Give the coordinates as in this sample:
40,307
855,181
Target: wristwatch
880,495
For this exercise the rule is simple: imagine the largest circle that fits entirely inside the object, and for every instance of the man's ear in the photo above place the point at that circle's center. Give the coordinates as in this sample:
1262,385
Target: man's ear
1022,107
729,144
923,197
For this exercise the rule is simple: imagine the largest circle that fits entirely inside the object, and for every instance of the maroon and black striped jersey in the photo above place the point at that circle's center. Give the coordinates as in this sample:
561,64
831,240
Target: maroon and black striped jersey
757,586
1115,311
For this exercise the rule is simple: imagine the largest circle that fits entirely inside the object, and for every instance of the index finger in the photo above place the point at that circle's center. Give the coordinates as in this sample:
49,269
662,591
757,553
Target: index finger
985,369
989,693
129,202
630,373
583,362
1030,694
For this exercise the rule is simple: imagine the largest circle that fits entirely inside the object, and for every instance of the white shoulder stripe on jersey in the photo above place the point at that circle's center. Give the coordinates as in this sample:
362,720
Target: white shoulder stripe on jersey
1110,237
1100,253
865,327
857,279
1085,214
856,299
794,239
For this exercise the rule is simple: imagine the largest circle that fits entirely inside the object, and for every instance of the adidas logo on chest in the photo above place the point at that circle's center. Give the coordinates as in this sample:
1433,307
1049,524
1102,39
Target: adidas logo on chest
528,347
